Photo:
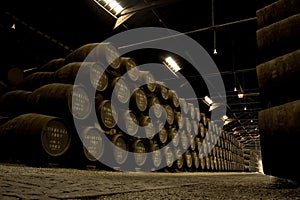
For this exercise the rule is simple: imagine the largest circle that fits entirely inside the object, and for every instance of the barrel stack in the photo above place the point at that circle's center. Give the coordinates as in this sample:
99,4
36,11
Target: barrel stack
278,77
250,160
134,111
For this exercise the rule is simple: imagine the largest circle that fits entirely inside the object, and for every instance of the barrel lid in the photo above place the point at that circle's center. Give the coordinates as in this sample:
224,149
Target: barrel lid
156,157
80,103
169,155
180,159
112,55
140,98
170,114
175,137
108,114
121,90
98,77
131,122
56,137
93,143
131,68
120,148
163,133
140,149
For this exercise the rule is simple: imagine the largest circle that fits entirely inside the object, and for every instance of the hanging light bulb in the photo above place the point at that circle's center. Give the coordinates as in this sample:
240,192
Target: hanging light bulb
234,89
215,51
240,95
245,108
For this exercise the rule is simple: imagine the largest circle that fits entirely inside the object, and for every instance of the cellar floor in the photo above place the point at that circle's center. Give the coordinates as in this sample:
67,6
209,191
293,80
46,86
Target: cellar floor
23,182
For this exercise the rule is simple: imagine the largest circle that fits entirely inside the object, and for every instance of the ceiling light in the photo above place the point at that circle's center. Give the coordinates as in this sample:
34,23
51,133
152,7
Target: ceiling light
235,89
13,26
240,95
114,5
215,51
208,100
171,64
245,108
225,117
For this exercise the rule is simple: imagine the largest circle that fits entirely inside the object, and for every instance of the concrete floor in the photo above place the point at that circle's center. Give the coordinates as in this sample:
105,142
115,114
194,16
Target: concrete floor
23,182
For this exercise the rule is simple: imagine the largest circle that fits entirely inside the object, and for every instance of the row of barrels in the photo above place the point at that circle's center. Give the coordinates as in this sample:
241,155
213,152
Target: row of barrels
278,76
41,139
150,121
251,160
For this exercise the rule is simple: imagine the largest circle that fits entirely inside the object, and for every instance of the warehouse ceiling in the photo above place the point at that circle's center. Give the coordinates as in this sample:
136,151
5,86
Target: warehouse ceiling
34,32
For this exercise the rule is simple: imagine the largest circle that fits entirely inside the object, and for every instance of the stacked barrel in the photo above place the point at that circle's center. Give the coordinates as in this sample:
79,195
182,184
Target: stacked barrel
278,76
65,111
250,160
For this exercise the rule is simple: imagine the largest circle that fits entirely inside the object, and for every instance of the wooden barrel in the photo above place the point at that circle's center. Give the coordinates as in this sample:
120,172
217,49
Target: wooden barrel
35,137
36,80
140,149
15,102
173,99
148,79
107,115
169,114
275,76
174,137
52,65
191,111
196,161
91,73
187,125
11,75
155,108
128,65
179,120
278,38
129,122
184,139
86,148
179,163
147,127
138,100
279,131
207,163
198,143
161,91
120,149
202,163
121,89
62,100
188,160
195,127
156,158
169,158
92,141
192,143
162,133
276,11
105,53
183,106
